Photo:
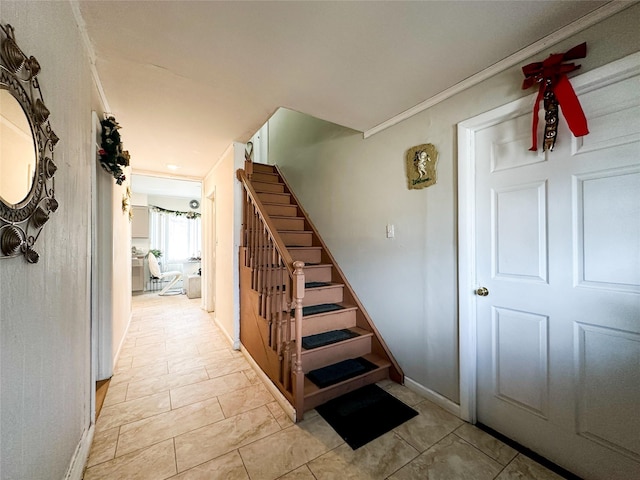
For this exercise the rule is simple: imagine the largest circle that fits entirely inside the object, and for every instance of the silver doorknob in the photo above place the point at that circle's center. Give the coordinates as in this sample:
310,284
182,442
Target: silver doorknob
482,292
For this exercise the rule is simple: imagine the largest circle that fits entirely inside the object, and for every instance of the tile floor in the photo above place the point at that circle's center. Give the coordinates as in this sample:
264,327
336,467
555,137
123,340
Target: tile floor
183,405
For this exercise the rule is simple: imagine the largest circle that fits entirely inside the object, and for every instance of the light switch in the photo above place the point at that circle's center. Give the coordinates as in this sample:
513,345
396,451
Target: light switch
390,231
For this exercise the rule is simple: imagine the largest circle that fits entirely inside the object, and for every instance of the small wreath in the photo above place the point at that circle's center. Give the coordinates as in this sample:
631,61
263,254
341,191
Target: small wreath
112,157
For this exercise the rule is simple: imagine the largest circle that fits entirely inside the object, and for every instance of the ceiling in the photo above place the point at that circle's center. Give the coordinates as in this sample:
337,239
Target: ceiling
165,187
186,79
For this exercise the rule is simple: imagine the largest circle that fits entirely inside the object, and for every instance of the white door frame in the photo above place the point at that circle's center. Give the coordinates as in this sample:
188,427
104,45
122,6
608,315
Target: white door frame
614,71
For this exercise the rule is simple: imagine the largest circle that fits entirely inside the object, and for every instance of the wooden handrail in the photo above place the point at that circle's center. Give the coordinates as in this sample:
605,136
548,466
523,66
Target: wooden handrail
273,232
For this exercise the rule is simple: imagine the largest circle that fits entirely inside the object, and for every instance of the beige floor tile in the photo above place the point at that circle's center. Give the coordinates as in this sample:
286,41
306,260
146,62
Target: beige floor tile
523,468
207,443
405,395
224,366
279,414
302,473
194,438
452,458
154,463
103,447
226,467
253,377
181,364
154,429
375,460
289,449
139,373
487,444
127,412
149,349
115,394
186,348
123,364
151,338
429,427
239,401
163,383
209,388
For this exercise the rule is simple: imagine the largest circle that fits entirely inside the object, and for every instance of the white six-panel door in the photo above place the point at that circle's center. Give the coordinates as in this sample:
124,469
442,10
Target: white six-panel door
556,243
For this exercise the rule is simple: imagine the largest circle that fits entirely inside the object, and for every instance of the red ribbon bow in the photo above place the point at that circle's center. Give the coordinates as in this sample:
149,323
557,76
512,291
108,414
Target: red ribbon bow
553,70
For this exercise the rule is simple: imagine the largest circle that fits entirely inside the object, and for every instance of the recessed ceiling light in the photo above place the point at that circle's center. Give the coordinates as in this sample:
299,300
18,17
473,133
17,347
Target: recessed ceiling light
171,166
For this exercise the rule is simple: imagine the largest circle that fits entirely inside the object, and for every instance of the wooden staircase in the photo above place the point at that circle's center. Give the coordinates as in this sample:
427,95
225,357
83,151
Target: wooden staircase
292,289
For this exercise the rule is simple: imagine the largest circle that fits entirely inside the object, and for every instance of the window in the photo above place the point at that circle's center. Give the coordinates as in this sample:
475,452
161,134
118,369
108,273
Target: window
177,237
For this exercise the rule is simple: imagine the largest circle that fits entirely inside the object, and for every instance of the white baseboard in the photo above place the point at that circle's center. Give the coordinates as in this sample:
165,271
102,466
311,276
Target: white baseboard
80,456
282,401
435,397
232,342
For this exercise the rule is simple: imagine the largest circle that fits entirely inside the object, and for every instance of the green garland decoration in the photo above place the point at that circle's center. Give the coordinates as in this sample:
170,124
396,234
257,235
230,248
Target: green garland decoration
177,213
112,157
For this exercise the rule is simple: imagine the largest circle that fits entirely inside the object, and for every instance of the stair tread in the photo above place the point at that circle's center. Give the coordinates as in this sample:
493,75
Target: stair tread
311,388
357,331
325,285
346,308
277,193
313,247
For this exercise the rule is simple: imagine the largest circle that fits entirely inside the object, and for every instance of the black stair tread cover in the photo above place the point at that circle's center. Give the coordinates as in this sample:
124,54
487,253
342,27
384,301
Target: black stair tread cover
316,284
323,308
327,338
341,371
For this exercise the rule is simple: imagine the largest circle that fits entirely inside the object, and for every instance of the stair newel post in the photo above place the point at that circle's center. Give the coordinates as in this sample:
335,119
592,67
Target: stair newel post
286,335
298,296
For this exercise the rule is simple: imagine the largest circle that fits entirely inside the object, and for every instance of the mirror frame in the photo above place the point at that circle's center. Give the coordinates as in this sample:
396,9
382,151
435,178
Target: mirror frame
21,223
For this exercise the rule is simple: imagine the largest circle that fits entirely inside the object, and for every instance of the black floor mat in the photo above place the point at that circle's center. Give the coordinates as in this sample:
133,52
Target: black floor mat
327,338
338,372
365,414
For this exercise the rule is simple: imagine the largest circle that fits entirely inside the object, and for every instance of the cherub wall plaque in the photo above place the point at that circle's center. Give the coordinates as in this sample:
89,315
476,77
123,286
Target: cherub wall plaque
421,166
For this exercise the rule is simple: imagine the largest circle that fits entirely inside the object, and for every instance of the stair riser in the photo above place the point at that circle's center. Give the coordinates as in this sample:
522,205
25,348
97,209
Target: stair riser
262,168
265,177
323,396
323,295
268,187
321,357
279,198
297,239
318,274
282,210
308,256
325,323
293,223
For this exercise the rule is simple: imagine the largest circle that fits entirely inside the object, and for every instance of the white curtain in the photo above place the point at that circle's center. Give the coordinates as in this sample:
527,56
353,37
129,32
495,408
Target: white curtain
177,237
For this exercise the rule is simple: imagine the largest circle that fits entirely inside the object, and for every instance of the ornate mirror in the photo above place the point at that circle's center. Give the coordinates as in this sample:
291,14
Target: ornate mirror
26,152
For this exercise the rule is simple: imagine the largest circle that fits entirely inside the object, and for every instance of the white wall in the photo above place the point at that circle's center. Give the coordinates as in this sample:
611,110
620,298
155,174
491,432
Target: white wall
353,187
221,184
45,308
